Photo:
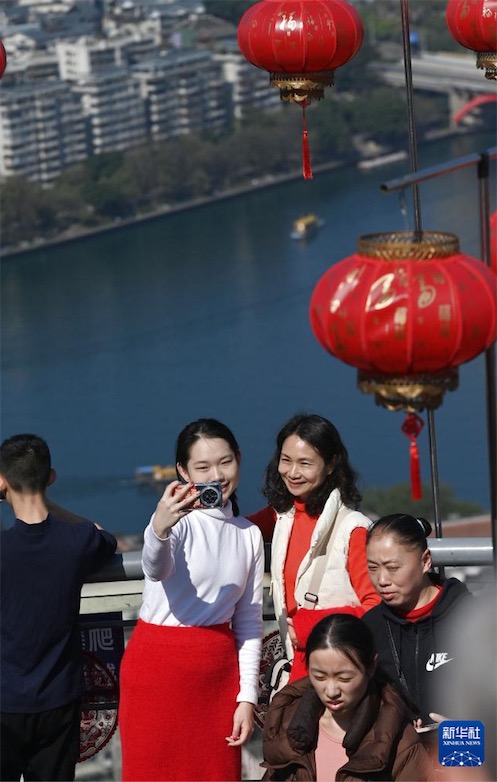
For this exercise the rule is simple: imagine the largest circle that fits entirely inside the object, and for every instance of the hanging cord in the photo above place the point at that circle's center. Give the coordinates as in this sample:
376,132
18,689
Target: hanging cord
306,155
411,123
403,208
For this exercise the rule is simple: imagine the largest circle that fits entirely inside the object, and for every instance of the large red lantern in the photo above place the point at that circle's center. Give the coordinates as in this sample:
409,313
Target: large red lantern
406,310
473,23
300,43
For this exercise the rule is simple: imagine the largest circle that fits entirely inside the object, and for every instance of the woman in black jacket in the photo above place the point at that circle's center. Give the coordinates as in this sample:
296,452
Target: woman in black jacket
411,625
343,721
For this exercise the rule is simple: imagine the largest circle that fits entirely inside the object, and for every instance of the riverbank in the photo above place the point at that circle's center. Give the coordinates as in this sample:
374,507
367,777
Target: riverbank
258,183
255,184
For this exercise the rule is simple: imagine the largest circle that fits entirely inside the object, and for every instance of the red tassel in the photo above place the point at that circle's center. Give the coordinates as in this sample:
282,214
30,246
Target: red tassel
306,155
416,490
411,427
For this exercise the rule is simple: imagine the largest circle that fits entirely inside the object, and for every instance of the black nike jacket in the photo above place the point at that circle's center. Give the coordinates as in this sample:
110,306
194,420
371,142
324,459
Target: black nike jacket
418,653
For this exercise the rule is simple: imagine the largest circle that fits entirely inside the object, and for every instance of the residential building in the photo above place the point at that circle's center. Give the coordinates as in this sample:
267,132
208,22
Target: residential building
114,110
42,131
250,85
185,92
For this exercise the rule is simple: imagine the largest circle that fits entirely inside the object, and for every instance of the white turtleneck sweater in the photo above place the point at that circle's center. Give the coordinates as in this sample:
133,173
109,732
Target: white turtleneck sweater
209,571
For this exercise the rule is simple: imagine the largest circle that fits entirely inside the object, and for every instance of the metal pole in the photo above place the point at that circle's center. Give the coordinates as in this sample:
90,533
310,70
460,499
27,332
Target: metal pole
490,369
434,475
413,154
411,123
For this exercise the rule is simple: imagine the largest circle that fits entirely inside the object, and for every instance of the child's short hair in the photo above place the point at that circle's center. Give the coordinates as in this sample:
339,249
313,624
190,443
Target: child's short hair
25,463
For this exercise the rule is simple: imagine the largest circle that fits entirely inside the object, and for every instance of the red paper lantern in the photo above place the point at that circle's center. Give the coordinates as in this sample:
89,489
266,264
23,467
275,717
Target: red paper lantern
473,23
406,313
300,43
3,59
406,310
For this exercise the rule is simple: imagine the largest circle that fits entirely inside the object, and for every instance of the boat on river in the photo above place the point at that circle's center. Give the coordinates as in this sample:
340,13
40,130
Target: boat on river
381,160
155,474
306,226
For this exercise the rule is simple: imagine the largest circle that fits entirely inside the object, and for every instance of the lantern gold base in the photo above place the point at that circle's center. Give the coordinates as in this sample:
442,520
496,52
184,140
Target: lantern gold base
488,62
412,393
302,88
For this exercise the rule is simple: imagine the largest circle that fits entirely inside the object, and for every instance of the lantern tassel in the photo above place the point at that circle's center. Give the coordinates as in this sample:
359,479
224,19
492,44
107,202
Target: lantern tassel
306,155
411,427
416,490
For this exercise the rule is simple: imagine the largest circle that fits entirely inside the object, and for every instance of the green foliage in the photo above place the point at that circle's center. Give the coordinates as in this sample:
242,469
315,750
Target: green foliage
397,499
388,104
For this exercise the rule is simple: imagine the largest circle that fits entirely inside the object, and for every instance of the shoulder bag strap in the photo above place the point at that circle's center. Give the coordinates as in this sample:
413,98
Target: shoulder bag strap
311,597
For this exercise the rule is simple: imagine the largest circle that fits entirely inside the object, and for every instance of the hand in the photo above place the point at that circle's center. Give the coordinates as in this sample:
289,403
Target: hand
175,503
438,717
243,724
292,634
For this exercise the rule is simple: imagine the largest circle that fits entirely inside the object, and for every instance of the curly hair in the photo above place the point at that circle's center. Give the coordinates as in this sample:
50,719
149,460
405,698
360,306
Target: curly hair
323,436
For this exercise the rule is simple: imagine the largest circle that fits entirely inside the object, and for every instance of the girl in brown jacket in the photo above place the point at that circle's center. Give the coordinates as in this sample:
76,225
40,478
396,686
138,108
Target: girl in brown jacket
343,721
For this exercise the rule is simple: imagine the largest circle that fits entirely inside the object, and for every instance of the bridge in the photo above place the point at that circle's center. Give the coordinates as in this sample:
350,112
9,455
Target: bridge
452,74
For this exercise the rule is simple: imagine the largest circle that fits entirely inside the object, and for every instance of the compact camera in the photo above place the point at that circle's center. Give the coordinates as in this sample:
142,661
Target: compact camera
211,494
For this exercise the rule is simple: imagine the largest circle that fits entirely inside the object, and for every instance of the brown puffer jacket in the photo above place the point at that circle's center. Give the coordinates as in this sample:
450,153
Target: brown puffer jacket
381,744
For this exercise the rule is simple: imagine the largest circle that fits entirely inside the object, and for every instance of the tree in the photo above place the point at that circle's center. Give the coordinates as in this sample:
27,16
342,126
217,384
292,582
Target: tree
21,202
397,499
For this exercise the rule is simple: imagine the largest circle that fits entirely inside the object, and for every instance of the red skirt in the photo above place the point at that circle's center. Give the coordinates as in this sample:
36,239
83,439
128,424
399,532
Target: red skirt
178,688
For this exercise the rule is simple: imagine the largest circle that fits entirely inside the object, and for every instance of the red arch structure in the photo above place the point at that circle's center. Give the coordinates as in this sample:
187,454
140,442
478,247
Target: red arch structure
478,101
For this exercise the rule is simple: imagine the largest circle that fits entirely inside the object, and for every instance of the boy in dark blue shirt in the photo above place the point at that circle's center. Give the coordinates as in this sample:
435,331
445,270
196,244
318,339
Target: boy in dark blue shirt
44,563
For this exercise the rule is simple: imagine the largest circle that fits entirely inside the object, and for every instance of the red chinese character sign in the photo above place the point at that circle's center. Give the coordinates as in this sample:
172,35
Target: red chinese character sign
406,313
473,23
300,43
103,648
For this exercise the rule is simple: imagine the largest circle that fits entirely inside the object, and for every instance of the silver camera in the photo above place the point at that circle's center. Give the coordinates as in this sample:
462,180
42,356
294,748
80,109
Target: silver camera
211,494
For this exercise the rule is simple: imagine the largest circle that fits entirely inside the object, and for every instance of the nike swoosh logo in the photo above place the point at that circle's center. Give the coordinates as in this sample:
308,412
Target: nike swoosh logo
433,666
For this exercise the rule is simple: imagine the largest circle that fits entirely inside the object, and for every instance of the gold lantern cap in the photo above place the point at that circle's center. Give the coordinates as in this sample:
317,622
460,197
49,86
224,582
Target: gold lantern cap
408,245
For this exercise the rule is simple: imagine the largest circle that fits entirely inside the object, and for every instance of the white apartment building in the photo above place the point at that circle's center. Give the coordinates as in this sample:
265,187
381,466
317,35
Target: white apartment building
79,59
42,131
185,92
114,110
250,85
86,56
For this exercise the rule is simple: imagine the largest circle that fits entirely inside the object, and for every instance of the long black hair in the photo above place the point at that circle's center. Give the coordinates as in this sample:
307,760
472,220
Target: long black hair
410,531
323,436
210,428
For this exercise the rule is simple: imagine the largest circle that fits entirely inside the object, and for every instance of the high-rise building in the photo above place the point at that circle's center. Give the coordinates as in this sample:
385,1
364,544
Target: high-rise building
42,131
185,92
114,110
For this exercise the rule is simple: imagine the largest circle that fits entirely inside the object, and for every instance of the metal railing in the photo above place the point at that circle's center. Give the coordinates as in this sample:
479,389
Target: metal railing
450,552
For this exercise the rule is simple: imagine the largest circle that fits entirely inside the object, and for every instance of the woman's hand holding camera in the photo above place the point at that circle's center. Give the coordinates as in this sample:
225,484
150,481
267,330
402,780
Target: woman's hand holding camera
175,503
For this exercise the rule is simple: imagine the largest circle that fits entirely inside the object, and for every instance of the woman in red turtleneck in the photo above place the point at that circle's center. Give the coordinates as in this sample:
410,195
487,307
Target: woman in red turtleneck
310,487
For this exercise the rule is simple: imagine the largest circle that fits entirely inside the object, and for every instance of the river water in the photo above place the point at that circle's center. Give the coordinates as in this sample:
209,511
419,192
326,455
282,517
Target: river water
110,344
